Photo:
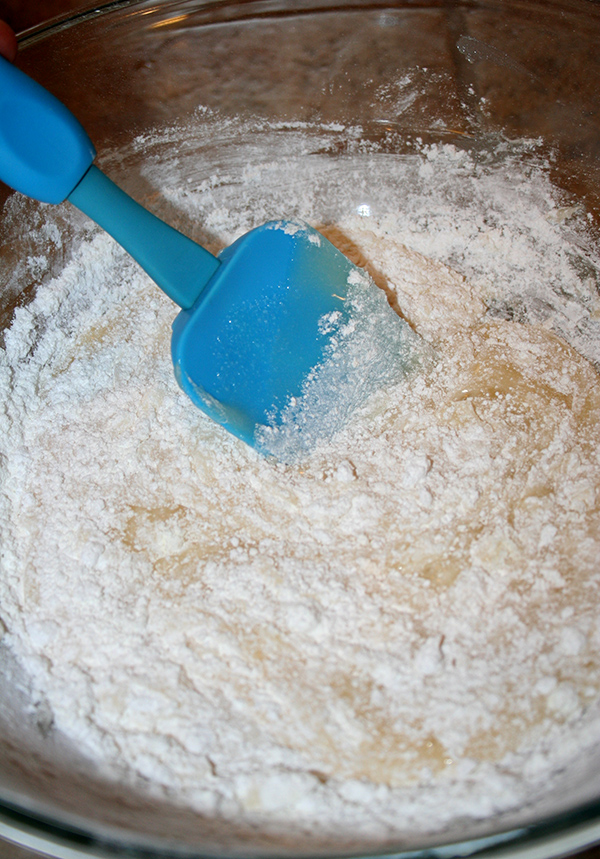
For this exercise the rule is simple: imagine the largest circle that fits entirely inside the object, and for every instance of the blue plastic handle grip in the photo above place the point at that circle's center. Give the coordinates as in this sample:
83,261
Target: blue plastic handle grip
44,149
46,154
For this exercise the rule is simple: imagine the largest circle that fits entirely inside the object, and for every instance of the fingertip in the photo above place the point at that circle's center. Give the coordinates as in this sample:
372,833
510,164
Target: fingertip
8,42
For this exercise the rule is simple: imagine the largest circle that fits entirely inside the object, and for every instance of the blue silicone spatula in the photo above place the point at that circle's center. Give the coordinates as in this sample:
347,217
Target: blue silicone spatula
250,330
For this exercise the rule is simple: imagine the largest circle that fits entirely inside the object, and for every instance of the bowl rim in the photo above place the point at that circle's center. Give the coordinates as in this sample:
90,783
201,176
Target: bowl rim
557,835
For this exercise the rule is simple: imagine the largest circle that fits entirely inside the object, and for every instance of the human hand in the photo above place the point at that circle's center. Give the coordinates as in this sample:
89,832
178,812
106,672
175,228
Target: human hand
8,42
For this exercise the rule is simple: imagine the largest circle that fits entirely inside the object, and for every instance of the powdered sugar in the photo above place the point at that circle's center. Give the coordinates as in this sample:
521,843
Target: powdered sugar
404,623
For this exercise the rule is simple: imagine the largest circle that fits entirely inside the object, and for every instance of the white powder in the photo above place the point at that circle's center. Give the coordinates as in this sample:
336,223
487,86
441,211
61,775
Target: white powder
402,625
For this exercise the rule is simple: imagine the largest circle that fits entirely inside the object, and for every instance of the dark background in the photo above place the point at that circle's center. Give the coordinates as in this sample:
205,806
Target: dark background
22,15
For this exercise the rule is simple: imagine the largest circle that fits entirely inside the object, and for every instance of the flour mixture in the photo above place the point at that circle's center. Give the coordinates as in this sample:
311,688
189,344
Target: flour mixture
406,620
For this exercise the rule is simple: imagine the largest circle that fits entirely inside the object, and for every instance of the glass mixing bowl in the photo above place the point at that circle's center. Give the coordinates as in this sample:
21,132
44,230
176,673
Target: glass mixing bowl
397,74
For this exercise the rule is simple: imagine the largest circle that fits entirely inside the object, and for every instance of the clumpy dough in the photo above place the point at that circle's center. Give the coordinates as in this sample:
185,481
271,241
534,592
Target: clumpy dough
405,621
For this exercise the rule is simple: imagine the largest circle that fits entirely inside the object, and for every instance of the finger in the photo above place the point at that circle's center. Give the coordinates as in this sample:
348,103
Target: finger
8,42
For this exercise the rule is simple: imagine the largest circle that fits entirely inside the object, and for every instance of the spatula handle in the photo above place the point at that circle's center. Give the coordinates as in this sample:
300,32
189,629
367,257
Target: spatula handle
175,263
44,150
46,154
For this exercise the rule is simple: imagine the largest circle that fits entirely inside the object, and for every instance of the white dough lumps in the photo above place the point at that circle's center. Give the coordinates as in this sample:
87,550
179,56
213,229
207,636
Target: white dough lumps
403,624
